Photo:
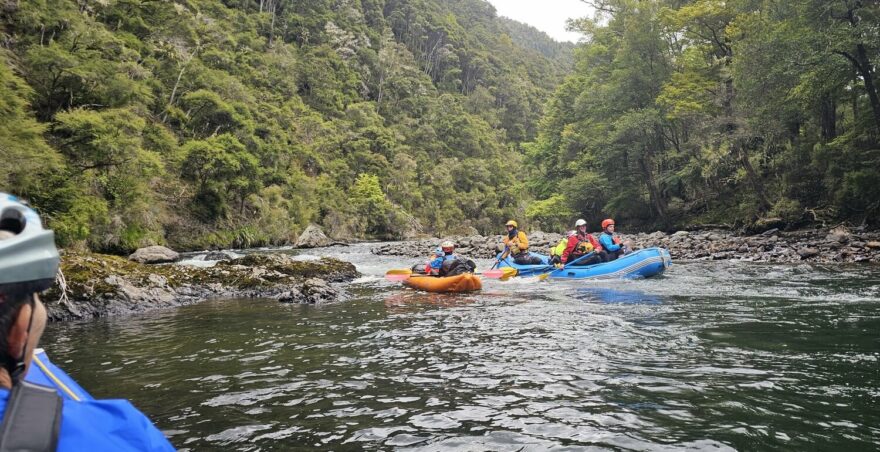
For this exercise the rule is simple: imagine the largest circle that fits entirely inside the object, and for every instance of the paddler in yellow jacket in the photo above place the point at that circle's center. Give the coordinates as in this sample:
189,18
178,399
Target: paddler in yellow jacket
516,244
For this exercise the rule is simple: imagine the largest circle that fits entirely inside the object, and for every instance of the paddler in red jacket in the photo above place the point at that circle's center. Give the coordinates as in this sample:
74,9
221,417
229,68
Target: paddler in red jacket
580,244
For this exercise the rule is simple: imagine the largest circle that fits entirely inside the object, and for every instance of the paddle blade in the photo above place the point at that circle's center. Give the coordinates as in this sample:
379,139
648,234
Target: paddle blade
398,274
544,276
499,273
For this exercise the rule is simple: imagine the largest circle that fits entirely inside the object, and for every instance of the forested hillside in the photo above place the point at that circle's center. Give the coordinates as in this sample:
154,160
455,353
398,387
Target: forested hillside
747,113
202,123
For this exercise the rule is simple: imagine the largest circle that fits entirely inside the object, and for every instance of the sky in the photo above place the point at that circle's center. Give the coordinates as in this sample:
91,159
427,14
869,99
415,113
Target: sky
546,15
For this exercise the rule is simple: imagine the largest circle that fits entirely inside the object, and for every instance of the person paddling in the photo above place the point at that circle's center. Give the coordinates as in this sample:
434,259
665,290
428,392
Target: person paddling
516,245
612,244
448,263
580,244
35,417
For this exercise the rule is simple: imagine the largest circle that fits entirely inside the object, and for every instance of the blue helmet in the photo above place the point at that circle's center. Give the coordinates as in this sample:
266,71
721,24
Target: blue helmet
28,257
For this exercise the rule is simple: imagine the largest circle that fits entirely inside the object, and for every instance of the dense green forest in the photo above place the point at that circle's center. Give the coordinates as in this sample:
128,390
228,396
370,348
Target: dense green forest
214,123
750,113
209,123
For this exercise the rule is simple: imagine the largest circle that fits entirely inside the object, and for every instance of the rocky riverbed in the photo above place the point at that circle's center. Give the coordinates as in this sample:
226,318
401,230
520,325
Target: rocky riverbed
99,285
819,245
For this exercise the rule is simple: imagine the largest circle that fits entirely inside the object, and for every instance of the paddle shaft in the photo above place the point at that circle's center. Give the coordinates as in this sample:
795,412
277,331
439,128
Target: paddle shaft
547,275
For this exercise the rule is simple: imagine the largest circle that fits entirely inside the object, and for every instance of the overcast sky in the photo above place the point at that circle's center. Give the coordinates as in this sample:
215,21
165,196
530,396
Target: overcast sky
546,15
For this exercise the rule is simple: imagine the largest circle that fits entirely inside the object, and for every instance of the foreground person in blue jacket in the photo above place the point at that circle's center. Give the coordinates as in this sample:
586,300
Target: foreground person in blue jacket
45,418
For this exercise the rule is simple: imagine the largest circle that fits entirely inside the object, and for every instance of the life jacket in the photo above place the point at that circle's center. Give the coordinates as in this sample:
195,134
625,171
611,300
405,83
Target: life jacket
585,244
559,248
457,266
517,242
563,243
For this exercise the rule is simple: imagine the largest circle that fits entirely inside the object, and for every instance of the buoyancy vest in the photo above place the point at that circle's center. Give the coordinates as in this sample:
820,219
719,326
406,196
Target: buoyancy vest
519,239
457,266
576,243
559,248
609,242
32,419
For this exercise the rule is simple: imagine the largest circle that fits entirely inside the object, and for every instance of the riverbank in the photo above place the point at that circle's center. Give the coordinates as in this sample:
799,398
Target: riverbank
99,285
838,245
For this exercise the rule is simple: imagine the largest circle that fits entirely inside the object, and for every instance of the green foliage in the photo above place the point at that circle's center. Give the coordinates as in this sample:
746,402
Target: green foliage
215,123
24,154
370,203
223,170
714,111
550,214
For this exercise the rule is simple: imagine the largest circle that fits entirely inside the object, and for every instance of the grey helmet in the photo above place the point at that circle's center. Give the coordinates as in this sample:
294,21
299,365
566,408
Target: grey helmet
28,257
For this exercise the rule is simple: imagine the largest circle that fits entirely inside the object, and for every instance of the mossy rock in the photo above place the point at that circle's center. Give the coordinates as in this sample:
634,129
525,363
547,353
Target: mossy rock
325,268
94,277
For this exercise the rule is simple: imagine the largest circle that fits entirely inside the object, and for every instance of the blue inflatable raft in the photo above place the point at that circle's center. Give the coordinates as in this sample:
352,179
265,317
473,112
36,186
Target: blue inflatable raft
643,263
44,372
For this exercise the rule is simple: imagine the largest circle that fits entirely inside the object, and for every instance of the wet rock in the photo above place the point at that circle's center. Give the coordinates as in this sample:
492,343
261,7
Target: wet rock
318,291
807,252
768,223
312,237
770,232
157,280
292,295
220,256
154,255
837,237
100,285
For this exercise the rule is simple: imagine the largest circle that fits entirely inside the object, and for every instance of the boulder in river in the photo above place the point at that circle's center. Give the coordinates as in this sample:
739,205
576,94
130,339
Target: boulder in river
220,256
154,255
312,237
318,291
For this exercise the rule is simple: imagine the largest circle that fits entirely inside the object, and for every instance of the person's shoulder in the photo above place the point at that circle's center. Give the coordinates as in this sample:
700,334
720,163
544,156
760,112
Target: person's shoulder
108,425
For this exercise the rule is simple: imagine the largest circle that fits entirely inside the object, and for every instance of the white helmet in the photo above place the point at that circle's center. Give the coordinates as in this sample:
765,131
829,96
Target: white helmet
580,222
447,244
28,257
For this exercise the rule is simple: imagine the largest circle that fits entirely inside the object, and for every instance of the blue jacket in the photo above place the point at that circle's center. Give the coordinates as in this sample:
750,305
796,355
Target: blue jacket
607,242
103,425
89,424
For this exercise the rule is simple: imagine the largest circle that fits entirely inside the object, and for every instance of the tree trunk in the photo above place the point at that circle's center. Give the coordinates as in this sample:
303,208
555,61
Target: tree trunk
867,73
828,113
757,185
646,164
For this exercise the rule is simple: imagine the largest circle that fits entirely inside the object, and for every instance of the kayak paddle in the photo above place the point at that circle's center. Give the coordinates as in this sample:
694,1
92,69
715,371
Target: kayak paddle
544,276
398,274
402,274
499,273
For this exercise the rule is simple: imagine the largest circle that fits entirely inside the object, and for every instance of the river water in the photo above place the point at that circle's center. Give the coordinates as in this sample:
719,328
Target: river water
710,356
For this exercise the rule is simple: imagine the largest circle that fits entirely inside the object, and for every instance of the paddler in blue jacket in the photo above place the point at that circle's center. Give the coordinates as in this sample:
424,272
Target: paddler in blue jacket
42,419
611,244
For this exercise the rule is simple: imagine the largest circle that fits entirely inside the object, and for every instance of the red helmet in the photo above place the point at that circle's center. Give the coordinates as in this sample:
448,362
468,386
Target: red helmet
606,223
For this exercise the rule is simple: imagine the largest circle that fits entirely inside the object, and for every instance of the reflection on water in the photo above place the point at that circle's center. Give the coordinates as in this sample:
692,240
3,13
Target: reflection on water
711,356
608,295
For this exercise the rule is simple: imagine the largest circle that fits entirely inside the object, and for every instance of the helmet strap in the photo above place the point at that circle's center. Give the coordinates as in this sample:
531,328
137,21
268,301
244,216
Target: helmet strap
16,366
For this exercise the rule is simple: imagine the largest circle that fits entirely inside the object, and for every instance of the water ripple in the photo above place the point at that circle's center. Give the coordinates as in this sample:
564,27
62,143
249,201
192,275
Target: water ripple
716,356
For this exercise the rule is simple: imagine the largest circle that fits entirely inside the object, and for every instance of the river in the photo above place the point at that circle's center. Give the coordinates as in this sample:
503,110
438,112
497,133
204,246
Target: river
712,355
